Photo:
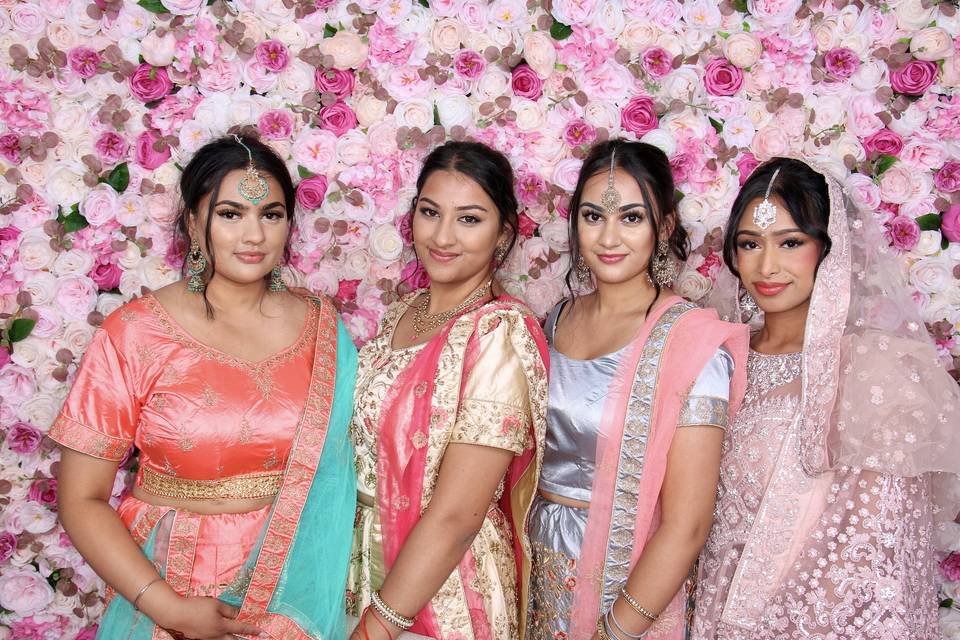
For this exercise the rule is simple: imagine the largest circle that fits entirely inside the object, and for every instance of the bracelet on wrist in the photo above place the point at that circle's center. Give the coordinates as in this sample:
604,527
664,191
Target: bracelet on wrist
611,619
143,590
630,600
387,613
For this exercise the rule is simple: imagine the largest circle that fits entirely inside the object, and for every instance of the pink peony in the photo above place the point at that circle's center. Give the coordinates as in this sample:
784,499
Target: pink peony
23,438
276,124
414,275
579,132
105,274
914,78
24,591
33,629
884,142
145,151
526,83
950,567
111,147
841,62
746,163
950,223
947,179
469,64
84,61
722,78
639,117
8,544
527,226
150,83
337,118
43,491
529,188
10,147
903,232
339,82
273,55
310,192
347,290
657,61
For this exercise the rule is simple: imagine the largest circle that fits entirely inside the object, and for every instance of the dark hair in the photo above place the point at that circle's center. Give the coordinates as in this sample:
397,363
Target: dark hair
204,174
649,166
487,167
799,187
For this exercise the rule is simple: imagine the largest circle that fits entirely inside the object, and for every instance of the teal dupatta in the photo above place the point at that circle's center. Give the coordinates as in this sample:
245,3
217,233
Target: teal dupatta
293,583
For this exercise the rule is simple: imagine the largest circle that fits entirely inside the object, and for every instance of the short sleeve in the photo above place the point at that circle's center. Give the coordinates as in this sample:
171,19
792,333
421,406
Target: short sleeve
101,412
495,406
707,403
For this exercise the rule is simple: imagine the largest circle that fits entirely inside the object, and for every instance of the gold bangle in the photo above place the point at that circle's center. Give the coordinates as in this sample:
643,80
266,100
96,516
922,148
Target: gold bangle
636,605
143,590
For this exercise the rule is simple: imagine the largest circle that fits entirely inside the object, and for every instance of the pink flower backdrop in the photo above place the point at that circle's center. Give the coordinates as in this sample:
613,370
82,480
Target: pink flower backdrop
102,102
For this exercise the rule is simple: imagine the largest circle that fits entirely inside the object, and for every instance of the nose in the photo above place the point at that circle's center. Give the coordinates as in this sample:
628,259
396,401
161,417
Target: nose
610,233
443,232
769,261
252,230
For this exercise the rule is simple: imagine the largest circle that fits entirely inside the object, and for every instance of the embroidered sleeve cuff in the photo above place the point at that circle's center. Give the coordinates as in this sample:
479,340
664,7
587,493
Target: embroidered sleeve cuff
79,437
704,410
491,424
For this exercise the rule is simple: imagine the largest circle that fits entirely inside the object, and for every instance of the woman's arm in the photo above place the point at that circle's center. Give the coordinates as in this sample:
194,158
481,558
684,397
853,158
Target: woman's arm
467,482
687,500
84,487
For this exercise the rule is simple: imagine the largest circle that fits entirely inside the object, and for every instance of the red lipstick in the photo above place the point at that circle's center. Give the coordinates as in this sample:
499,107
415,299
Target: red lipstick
770,288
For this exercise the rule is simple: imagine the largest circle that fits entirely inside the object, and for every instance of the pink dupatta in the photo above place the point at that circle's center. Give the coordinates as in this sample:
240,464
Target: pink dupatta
639,420
424,400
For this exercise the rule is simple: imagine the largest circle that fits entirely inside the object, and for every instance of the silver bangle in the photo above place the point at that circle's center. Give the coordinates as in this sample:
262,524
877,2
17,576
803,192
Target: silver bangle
619,627
143,590
392,616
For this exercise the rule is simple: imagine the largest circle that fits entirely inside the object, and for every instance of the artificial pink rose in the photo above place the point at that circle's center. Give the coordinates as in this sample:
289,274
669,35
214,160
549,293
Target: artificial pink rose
947,179
657,62
469,64
950,223
349,51
158,50
722,78
950,567
414,275
914,78
10,147
99,205
316,149
273,55
44,491
579,132
527,226
841,62
338,118
529,188
22,438
885,142
310,192
638,116
145,151
4,357
75,296
276,124
24,591
903,232
111,147
8,544
105,274
746,163
339,82
347,290
526,83
150,83
84,61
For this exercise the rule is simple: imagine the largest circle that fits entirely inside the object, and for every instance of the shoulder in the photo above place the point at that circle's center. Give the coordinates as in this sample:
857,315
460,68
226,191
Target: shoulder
507,314
130,320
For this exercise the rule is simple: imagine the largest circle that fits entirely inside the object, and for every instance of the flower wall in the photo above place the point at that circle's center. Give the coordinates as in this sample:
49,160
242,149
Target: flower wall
102,101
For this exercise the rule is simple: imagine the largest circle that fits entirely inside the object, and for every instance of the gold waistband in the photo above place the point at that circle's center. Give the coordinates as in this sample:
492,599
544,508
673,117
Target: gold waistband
250,485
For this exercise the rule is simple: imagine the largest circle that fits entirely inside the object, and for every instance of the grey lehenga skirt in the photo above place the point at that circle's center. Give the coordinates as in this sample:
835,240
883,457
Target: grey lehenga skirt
556,533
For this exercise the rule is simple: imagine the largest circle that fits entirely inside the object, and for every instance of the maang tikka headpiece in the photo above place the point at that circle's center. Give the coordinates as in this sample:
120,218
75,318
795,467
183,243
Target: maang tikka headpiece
252,187
610,198
765,213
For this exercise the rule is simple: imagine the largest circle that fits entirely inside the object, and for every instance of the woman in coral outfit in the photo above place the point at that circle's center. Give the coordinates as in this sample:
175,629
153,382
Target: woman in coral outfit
238,395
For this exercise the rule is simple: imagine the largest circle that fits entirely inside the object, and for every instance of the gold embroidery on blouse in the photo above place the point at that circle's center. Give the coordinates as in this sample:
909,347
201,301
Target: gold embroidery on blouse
185,443
703,410
167,467
145,353
250,485
244,436
271,460
209,397
158,401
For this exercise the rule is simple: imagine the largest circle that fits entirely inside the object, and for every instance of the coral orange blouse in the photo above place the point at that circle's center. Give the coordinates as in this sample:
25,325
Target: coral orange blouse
197,415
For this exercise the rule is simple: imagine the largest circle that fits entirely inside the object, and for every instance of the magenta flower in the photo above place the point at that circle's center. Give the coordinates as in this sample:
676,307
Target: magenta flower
10,147
950,567
310,192
111,147
639,117
4,357
150,83
904,232
657,61
947,179
914,78
339,82
841,62
8,544
722,78
884,142
950,223
23,438
84,61
347,290
276,124
529,187
105,274
43,491
146,153
579,132
746,163
526,83
273,55
469,64
528,226
337,118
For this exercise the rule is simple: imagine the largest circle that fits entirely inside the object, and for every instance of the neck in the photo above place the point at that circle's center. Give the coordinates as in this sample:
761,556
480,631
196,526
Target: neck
782,332
629,297
233,297
444,296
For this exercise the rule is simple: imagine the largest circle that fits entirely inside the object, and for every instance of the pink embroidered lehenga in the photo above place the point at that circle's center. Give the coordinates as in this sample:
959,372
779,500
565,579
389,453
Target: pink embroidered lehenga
825,515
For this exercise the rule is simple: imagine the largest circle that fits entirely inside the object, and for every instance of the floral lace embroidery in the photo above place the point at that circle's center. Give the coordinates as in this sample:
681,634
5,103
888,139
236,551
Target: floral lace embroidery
82,438
492,424
703,410
553,577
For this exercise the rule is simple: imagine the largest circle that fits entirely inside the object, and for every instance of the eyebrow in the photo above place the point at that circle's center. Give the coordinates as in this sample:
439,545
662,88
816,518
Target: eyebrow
466,207
782,232
626,207
272,205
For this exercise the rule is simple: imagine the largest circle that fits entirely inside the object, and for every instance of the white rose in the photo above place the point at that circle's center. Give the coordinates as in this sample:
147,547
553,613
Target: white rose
692,285
30,351
292,35
49,321
638,36
353,148
684,84
155,273
530,116
35,250
385,243
130,283
446,35
296,79
692,208
602,115
167,174
46,381
848,144
40,285
40,410
64,187
130,257
73,261
107,303
356,265
415,113
370,110
492,84
455,110
661,139
758,114
610,19
566,172
671,42
76,336
929,243
912,16
539,52
931,274
738,131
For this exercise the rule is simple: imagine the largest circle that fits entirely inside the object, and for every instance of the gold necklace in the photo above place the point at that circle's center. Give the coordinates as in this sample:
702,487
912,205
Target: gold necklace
424,322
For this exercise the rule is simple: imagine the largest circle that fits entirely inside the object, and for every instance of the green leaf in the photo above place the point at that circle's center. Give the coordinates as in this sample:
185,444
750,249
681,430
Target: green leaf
929,222
677,195
304,172
746,25
154,6
560,31
436,115
329,31
944,243
717,125
884,162
740,5
73,221
946,603
20,329
723,34
425,3
119,178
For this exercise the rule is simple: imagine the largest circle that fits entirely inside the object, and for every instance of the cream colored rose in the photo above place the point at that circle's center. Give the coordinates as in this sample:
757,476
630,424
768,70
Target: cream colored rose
155,273
549,150
896,184
356,265
671,43
637,36
40,285
416,113
346,48
692,208
129,283
929,243
661,139
530,116
35,250
931,274
455,110
602,114
30,351
65,187
492,84
683,84
951,72
848,144
826,35
39,410
477,41
692,285
73,261
167,174
292,35
385,243
296,79
158,50
107,303
694,40
353,148
36,172
555,233
870,74
446,35
742,49
76,336
912,16
61,35
130,257
539,52
686,124
370,110
932,44
500,37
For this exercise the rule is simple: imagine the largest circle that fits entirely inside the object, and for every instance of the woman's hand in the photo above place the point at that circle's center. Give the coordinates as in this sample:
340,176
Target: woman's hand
204,619
373,627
